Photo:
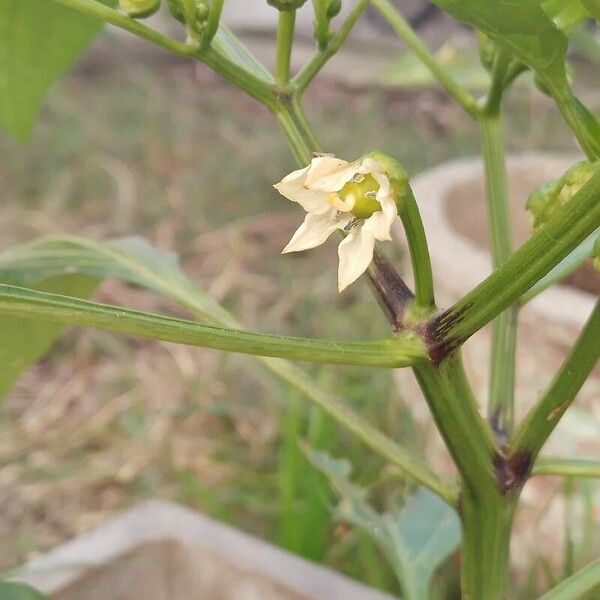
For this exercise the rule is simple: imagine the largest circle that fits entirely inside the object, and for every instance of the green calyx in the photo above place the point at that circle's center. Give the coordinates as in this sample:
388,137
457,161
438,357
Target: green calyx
286,4
139,9
396,173
596,255
549,197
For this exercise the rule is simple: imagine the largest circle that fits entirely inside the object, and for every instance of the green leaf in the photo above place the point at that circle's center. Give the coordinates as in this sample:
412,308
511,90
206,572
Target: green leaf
593,7
25,341
39,41
565,13
521,26
578,585
416,538
131,259
227,43
19,591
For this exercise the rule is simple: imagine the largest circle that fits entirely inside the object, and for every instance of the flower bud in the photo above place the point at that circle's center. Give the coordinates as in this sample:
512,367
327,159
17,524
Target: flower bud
176,10
487,51
139,9
334,8
548,198
286,4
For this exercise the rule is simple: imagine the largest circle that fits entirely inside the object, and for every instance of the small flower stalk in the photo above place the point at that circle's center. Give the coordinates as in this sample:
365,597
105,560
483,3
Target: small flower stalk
361,199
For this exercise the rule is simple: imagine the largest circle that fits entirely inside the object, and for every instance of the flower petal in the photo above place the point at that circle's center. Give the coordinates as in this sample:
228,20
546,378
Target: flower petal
293,187
379,224
329,174
355,253
315,229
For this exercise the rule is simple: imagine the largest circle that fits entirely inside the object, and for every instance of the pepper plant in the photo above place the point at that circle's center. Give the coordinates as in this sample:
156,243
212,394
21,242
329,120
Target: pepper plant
47,282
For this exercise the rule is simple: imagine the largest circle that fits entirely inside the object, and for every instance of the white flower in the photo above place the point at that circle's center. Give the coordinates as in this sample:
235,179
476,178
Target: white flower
354,197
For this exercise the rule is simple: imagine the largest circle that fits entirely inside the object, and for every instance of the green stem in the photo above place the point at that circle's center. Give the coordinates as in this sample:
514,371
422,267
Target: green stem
569,226
455,412
486,536
419,253
581,121
296,129
504,332
257,88
214,16
26,303
369,435
285,39
413,41
535,429
566,467
311,70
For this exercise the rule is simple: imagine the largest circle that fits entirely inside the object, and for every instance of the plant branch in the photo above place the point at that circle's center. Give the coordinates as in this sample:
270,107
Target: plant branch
537,426
254,86
569,226
580,120
504,332
26,303
419,252
297,131
285,39
214,16
566,467
404,31
311,70
455,412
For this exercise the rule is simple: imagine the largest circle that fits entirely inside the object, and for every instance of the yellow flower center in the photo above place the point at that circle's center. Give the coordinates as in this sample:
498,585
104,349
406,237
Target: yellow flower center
358,196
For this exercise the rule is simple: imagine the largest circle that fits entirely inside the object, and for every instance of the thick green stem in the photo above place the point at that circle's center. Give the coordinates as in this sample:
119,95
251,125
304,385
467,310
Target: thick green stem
454,409
419,253
486,536
545,415
285,39
569,226
504,332
26,303
404,31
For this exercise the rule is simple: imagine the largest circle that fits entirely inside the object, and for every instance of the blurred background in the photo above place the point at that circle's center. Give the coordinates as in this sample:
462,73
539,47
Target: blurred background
137,141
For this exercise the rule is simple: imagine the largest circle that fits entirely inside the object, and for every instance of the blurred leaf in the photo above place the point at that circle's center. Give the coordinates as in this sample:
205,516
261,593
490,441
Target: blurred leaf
25,341
521,26
19,591
594,7
131,259
464,67
578,585
415,538
565,13
231,46
564,268
40,40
